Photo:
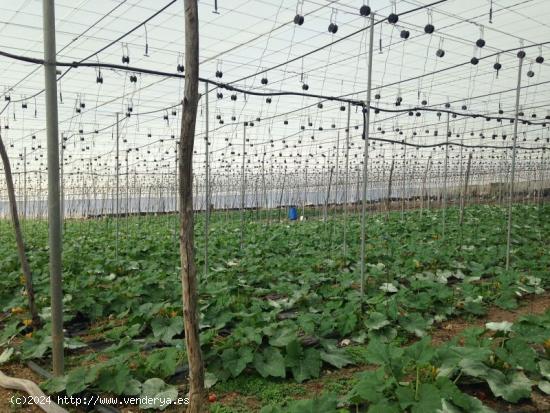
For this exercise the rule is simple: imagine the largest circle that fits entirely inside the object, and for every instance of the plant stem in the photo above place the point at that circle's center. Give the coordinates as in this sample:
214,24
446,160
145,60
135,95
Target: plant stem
457,377
417,383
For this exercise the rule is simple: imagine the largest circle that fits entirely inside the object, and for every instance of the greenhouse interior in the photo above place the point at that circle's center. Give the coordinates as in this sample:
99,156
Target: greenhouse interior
275,206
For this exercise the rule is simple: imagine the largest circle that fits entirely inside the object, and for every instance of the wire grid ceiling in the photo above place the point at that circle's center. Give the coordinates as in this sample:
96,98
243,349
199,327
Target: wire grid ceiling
255,45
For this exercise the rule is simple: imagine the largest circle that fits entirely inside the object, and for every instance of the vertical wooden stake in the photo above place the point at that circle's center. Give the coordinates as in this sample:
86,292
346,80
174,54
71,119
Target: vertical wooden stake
187,253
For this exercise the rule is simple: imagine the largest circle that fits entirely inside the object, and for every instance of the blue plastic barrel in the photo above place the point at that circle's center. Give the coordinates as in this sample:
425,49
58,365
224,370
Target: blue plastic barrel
293,213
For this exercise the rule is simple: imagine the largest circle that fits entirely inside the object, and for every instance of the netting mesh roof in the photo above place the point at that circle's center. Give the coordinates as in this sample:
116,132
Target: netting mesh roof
257,46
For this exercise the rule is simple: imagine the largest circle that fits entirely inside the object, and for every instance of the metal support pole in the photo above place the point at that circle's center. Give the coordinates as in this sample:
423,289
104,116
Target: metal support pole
281,196
331,171
304,202
265,189
446,164
207,184
465,191
424,193
541,177
176,197
366,125
390,180
25,182
54,210
62,189
325,167
346,180
243,185
404,180
117,187
521,55
127,194
337,177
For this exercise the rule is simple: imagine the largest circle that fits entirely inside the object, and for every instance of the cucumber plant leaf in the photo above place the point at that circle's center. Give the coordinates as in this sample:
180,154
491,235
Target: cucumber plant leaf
270,362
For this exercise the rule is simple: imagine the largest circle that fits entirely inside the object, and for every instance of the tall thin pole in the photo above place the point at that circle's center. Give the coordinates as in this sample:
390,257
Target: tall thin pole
347,180
267,212
390,180
127,194
366,125
187,249
446,164
207,184
521,55
176,191
541,177
117,187
54,210
305,192
424,192
25,182
243,185
404,180
337,177
62,189
465,191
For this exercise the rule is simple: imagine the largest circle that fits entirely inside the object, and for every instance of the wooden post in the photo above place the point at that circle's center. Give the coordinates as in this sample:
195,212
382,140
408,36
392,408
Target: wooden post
25,268
187,254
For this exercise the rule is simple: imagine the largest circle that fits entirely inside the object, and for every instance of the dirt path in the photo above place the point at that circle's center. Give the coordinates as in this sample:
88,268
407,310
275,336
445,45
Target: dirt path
534,304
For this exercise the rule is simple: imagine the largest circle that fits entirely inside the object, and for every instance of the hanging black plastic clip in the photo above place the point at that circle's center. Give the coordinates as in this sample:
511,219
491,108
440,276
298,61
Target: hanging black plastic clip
125,54
146,54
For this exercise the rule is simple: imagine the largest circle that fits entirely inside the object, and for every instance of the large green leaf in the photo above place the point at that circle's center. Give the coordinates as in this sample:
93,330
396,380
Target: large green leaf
113,379
376,321
414,323
79,379
453,400
282,337
166,328
235,361
337,358
511,387
156,394
370,387
429,399
382,353
421,352
518,354
270,362
163,362
304,363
